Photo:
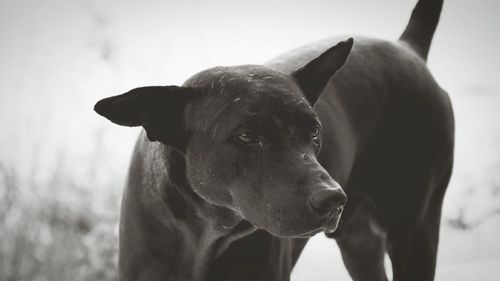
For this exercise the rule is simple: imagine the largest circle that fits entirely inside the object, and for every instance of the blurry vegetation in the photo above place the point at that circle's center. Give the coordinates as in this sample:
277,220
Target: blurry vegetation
484,194
55,231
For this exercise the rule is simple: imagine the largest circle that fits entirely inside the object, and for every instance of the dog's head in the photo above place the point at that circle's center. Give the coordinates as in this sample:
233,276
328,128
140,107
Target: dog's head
250,139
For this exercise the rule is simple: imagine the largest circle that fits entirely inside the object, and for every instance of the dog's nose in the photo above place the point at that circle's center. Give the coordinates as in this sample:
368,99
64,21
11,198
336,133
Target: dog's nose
328,201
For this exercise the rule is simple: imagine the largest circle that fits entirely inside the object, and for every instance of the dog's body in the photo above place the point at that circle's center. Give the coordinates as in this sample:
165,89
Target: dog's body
196,209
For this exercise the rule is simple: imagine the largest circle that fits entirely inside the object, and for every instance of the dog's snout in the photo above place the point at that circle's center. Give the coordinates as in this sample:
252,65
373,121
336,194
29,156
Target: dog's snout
327,201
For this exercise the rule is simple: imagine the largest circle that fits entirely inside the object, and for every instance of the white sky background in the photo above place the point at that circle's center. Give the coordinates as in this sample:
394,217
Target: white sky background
158,42
58,57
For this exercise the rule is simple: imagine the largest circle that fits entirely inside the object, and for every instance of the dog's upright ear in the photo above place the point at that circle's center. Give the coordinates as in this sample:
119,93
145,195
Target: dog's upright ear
159,109
313,76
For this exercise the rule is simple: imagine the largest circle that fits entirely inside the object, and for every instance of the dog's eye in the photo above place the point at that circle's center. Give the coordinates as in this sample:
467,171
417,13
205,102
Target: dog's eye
315,133
248,138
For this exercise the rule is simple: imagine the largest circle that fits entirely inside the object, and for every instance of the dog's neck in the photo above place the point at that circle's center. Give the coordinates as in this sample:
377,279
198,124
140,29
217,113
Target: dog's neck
183,225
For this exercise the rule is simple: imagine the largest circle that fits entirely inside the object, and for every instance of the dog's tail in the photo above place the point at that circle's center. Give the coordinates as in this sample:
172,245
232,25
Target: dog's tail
423,22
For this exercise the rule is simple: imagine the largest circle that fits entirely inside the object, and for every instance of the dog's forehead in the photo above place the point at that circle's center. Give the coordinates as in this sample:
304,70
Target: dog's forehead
243,80
234,94
246,88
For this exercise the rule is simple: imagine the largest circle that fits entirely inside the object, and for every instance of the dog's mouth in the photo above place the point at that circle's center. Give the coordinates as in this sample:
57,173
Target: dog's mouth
332,222
310,234
328,225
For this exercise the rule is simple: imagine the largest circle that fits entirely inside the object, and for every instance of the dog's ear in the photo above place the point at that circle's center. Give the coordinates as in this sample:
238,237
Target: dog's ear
159,109
313,76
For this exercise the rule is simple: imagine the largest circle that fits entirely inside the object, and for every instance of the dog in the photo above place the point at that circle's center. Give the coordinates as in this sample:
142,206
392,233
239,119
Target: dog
237,167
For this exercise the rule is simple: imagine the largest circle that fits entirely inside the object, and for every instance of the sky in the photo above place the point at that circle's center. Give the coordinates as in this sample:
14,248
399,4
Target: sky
167,41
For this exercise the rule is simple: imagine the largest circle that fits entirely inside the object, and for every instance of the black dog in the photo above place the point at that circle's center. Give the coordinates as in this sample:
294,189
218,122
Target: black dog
235,167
